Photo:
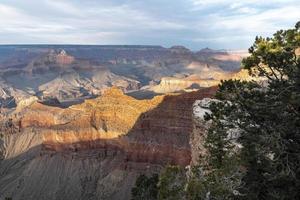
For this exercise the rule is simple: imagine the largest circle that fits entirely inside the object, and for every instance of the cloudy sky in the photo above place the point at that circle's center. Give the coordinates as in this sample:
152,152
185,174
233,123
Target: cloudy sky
219,24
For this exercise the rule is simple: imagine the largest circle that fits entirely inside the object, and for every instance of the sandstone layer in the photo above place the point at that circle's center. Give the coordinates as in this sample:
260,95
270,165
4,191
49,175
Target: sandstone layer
96,149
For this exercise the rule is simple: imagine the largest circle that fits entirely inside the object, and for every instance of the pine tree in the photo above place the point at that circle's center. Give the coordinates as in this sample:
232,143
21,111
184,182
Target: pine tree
145,188
267,117
261,161
171,183
253,144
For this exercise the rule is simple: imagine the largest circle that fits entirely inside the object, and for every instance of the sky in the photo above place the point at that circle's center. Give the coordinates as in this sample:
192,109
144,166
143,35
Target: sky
196,24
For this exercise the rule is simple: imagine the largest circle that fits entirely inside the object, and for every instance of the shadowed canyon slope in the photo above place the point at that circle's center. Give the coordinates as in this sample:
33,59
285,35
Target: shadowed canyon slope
65,135
95,149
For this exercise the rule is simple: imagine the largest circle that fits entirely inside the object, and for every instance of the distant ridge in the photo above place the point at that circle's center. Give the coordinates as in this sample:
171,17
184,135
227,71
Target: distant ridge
66,46
78,45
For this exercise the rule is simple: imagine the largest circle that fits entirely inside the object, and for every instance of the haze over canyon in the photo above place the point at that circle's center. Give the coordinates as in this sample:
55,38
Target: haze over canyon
149,100
82,122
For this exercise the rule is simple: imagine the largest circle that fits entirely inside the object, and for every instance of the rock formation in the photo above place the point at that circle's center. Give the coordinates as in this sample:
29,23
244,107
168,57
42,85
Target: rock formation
95,149
95,144
63,59
200,128
172,84
73,73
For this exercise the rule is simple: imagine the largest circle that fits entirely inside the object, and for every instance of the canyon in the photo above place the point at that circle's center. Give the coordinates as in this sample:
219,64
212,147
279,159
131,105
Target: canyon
95,149
83,122
64,75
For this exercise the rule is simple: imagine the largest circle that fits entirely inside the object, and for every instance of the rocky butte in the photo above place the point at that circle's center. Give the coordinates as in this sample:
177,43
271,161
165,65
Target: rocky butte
92,142
64,75
94,150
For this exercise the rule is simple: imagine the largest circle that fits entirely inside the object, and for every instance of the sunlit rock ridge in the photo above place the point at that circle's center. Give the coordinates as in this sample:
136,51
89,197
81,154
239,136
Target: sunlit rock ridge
64,75
82,122
97,148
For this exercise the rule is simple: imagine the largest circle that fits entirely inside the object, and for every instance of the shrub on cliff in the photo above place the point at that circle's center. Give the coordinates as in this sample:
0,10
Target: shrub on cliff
171,183
168,185
145,188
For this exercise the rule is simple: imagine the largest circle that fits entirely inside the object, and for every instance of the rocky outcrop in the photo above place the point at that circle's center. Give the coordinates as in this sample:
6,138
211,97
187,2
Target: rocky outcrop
11,97
95,144
25,101
200,128
73,73
172,84
207,76
63,58
52,58
95,149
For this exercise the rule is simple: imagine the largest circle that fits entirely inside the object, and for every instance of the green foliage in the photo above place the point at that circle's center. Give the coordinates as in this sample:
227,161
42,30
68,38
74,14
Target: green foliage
253,144
168,185
220,173
217,142
267,119
271,150
218,184
145,188
171,183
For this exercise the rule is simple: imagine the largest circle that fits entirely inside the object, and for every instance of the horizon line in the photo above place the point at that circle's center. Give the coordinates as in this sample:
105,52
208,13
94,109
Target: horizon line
125,45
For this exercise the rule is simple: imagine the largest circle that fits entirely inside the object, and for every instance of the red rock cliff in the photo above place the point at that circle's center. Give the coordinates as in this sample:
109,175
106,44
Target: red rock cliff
153,131
95,150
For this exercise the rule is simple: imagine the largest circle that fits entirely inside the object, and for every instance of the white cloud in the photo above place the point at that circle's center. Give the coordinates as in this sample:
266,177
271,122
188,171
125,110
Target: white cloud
264,22
237,2
15,20
65,7
243,21
77,23
192,22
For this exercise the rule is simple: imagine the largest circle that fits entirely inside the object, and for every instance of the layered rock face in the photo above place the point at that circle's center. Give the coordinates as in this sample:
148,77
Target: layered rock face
171,84
11,97
206,76
64,59
65,75
96,149
95,144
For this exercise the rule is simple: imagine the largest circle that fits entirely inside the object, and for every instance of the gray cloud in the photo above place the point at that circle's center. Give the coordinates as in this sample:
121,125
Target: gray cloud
193,23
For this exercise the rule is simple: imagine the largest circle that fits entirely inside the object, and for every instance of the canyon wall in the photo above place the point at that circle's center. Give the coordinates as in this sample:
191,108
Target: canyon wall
95,150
